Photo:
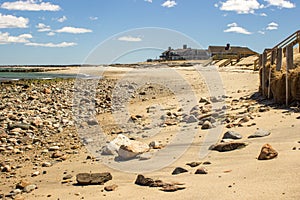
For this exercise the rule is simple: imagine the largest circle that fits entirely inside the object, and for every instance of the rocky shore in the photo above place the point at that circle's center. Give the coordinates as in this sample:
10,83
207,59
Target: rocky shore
43,155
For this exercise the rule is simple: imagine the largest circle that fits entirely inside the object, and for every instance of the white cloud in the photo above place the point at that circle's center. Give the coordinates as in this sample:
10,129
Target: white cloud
6,38
10,21
241,6
169,4
73,30
281,3
59,45
62,19
234,28
30,5
93,18
43,28
263,14
261,32
51,33
150,1
130,39
272,26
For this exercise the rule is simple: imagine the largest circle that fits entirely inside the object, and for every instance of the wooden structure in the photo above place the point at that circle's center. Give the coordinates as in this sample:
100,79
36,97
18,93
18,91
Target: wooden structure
275,56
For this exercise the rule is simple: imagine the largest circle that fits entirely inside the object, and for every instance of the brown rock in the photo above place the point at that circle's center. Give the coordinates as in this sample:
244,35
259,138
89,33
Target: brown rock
93,178
171,188
193,164
22,184
143,181
110,188
267,152
201,170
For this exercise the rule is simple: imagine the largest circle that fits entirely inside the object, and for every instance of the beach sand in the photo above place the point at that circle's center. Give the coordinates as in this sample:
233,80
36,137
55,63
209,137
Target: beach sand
236,174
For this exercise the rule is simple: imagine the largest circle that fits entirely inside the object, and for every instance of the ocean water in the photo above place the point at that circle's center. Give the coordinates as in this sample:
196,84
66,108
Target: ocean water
14,76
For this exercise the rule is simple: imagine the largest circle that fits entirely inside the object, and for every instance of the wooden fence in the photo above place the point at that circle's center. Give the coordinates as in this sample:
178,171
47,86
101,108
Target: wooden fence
275,56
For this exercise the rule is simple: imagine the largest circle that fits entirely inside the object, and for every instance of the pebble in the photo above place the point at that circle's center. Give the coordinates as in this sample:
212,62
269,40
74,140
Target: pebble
179,170
29,188
232,135
260,133
201,170
222,147
46,164
267,152
207,125
36,173
110,188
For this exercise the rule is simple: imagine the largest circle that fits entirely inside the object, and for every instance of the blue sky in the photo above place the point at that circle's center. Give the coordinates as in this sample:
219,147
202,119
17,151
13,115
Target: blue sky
100,31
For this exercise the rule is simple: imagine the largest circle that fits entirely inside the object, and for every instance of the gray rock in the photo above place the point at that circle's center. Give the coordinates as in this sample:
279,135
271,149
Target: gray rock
260,133
232,135
191,119
29,188
93,178
222,147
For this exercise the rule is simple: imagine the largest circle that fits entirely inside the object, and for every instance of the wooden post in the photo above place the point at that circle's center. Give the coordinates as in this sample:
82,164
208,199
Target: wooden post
279,59
273,55
264,61
260,60
269,85
290,57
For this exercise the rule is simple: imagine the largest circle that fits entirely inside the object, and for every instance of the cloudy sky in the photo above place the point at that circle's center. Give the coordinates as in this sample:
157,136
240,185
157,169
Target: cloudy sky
68,31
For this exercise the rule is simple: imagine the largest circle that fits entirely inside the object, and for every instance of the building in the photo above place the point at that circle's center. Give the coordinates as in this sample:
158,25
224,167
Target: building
185,54
227,52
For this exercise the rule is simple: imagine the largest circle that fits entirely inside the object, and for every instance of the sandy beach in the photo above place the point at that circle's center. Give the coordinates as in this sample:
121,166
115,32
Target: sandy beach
160,105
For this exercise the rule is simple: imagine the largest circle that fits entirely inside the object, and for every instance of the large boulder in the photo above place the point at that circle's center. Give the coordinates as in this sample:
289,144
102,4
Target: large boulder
113,147
132,149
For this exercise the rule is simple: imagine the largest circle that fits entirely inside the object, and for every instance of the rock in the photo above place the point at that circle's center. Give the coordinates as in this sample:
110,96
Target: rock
47,91
53,148
298,117
110,188
6,168
267,153
260,133
143,181
203,100
155,145
57,154
222,147
179,170
132,149
171,188
22,184
191,119
93,178
36,173
207,125
201,170
46,164
232,135
112,147
69,176
29,188
193,164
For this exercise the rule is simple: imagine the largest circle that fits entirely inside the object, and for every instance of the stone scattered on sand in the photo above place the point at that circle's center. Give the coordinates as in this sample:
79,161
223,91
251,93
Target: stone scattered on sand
193,164
179,170
110,188
267,152
232,135
29,188
190,119
171,188
22,184
201,170
93,178
133,149
155,145
143,181
206,125
19,197
298,117
222,147
46,164
149,182
68,176
36,173
260,133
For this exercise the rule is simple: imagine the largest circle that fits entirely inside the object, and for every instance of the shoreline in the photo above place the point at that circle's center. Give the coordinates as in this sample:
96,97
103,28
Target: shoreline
233,174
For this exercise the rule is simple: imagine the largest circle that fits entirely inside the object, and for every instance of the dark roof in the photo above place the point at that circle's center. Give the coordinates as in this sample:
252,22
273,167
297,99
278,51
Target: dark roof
233,49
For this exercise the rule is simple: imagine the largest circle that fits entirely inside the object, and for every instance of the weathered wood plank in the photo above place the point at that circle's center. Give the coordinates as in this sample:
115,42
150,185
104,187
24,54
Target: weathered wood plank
279,59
